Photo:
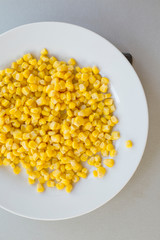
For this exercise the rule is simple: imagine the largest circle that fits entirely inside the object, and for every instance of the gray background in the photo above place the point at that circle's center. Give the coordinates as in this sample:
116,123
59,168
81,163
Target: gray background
133,26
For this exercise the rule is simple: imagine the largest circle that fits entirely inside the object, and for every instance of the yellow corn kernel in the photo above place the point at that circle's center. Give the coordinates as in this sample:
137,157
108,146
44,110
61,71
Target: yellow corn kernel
82,175
41,178
93,150
84,76
2,138
62,68
6,162
69,188
42,67
95,173
56,138
84,157
91,161
104,152
1,121
16,170
30,67
95,70
31,79
109,147
115,135
60,186
5,103
89,153
113,153
82,136
27,57
44,51
114,119
106,128
14,65
101,172
104,80
108,162
129,144
33,62
75,178
51,184
40,188
78,121
31,181
96,84
33,87
82,88
108,102
25,90
65,181
72,105
25,65
42,146
1,162
32,145
85,170
19,77
72,61
103,88
88,126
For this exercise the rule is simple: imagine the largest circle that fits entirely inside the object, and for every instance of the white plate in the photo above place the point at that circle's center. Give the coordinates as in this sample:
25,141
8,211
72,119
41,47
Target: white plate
65,41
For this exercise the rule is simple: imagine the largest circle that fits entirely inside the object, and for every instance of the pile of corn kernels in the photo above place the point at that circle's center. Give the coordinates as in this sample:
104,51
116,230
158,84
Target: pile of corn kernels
54,116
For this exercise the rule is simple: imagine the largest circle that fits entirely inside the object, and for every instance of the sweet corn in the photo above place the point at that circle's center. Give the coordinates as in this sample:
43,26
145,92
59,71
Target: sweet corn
16,170
115,135
129,144
60,186
101,172
31,181
113,153
95,70
54,116
40,188
95,173
108,162
51,184
69,188
44,51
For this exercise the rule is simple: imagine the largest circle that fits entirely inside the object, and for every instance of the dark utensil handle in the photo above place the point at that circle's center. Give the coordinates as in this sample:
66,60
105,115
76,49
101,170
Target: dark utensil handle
129,57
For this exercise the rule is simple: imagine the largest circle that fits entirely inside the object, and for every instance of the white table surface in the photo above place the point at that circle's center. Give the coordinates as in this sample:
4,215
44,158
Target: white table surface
133,26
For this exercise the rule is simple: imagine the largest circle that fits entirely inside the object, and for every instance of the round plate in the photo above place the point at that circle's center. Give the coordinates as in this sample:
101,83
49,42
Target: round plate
64,41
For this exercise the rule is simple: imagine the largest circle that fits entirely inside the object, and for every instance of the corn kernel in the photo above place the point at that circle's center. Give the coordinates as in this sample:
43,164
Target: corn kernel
32,145
72,61
95,70
101,172
51,184
103,88
69,188
109,147
95,173
44,51
31,181
60,186
40,188
113,153
108,162
115,135
16,170
129,144
27,57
